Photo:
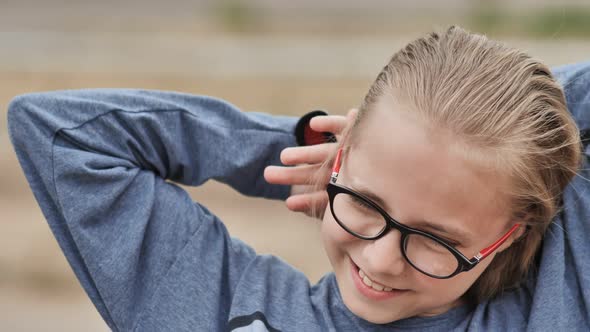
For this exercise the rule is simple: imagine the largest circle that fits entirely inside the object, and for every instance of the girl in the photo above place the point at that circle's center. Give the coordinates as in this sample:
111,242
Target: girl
440,192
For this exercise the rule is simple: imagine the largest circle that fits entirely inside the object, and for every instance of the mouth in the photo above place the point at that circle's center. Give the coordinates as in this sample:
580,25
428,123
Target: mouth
371,289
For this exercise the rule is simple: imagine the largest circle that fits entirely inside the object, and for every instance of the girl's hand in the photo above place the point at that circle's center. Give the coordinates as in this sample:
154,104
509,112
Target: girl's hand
306,161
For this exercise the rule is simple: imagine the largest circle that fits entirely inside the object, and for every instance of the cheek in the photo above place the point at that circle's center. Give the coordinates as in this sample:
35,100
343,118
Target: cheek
334,235
447,290
337,242
439,295
437,286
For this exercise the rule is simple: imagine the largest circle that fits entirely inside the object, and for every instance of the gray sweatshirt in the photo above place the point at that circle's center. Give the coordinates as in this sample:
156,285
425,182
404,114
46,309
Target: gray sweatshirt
151,259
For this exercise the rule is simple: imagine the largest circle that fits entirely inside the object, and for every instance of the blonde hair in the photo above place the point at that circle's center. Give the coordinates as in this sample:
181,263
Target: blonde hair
508,107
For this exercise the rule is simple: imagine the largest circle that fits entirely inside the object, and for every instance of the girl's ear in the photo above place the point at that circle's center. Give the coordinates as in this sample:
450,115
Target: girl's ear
525,225
518,235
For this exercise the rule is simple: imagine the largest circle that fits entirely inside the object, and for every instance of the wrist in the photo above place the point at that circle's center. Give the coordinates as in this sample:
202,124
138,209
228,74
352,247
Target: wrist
304,135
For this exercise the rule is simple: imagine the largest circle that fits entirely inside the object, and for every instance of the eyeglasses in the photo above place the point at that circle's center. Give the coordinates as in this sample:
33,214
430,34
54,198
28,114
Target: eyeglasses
427,253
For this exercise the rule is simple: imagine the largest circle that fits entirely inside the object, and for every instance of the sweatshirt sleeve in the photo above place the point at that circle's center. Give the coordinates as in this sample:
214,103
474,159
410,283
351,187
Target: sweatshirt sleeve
101,164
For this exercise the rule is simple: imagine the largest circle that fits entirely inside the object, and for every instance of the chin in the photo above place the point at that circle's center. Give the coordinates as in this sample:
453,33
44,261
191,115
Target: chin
372,314
379,320
368,314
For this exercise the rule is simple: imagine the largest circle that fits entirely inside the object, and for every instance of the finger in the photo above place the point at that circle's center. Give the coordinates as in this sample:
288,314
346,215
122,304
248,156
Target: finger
311,154
300,189
302,174
328,123
304,202
332,123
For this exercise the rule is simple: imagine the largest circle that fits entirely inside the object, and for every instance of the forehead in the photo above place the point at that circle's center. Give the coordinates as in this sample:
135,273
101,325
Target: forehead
420,178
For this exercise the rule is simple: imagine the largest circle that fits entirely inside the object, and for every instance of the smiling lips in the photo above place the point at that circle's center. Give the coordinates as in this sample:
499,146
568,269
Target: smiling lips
370,288
373,284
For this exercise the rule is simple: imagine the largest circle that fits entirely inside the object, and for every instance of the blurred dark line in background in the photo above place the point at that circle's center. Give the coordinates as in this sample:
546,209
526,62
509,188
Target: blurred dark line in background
523,18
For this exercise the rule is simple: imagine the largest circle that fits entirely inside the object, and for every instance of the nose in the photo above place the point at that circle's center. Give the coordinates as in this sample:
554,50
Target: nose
383,256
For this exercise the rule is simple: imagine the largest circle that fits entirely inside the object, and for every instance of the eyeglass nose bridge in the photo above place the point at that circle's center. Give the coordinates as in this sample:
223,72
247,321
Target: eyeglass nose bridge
405,231
390,224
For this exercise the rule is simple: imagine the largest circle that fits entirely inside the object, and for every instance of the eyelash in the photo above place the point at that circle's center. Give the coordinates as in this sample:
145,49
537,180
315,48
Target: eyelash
362,203
449,241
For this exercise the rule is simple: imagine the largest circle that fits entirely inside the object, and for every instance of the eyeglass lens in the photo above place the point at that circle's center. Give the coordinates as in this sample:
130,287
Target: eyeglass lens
424,253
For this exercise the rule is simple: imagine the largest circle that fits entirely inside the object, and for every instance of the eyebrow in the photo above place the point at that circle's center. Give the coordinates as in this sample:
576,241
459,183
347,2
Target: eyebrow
455,234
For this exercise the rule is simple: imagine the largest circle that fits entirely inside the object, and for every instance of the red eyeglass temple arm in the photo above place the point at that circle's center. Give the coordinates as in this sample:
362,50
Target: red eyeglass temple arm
486,251
336,167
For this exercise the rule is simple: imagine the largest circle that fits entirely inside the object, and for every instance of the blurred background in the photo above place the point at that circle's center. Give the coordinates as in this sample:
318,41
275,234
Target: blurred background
283,57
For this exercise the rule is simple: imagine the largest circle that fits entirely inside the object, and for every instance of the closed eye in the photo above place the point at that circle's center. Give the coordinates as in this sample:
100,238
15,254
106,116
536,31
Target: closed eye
362,204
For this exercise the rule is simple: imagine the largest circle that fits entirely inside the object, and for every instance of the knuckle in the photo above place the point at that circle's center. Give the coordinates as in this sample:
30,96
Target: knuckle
284,156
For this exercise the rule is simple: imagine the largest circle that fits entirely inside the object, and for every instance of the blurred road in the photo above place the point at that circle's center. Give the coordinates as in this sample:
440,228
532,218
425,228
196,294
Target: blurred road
224,56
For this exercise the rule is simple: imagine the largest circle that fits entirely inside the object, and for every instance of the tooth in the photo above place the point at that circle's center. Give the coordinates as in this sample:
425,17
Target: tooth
376,286
367,281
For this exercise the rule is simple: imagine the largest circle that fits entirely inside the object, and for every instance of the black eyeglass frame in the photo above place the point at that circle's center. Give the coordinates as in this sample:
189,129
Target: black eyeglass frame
464,264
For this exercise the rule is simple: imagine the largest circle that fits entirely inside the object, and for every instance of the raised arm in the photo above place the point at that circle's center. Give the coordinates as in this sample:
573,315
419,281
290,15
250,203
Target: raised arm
97,162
